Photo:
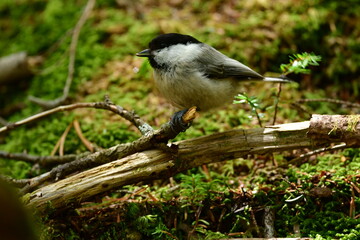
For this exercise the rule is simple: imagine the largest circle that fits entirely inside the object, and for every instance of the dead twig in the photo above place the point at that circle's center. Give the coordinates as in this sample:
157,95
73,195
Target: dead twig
36,181
277,103
71,67
258,118
352,203
330,100
254,222
301,110
317,151
52,49
14,182
60,143
42,160
89,145
128,115
56,45
197,216
150,139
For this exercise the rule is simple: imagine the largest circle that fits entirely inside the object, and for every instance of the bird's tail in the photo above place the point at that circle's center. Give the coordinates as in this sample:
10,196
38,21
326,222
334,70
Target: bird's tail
281,79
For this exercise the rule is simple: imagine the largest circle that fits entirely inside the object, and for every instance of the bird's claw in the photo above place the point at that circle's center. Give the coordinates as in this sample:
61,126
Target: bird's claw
177,123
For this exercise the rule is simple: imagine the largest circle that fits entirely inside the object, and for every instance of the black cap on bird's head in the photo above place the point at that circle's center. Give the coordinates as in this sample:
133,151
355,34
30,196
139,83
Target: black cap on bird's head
169,39
166,40
161,42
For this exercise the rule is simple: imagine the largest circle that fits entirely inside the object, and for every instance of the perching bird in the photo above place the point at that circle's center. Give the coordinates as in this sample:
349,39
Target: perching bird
190,73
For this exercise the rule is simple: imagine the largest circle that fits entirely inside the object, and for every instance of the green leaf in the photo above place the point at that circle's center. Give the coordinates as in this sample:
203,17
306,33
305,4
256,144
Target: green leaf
300,62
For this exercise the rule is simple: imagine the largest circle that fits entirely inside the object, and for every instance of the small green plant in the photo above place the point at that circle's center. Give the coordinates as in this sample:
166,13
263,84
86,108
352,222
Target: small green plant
162,232
146,220
253,103
194,189
299,63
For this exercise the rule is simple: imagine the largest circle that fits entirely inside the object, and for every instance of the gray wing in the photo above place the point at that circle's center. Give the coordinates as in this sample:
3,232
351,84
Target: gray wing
216,65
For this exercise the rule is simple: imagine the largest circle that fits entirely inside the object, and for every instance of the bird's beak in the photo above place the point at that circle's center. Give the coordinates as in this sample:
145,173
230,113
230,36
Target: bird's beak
144,53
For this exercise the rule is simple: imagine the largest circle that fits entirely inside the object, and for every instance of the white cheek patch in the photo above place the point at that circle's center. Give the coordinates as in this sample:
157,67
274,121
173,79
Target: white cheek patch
178,53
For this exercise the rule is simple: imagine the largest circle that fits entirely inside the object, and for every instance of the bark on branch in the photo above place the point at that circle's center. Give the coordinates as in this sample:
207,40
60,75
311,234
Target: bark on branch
155,164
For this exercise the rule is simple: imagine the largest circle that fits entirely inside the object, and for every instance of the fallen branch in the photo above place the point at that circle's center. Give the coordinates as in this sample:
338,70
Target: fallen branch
341,128
70,165
155,164
150,140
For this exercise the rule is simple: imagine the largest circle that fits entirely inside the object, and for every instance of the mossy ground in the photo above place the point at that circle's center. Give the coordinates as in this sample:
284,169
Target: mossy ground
220,200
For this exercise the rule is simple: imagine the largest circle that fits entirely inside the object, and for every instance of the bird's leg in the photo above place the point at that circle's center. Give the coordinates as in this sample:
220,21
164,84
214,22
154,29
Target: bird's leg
182,120
177,122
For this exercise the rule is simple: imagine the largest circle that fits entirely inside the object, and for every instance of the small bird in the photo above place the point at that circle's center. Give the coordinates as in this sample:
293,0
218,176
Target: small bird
190,73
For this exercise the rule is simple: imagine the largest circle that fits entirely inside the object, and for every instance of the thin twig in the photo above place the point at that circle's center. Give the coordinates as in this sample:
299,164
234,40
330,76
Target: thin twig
258,118
277,103
56,147
52,49
14,182
197,216
330,100
254,222
62,139
60,143
317,151
71,67
128,115
36,181
89,145
301,109
56,45
42,160
169,234
352,203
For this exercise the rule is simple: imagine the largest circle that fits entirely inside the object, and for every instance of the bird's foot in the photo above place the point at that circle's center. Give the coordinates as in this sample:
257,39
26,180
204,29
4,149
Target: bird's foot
182,120
177,123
